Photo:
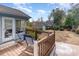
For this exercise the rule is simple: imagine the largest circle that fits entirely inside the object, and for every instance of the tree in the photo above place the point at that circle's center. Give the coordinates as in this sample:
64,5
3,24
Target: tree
70,22
57,16
74,12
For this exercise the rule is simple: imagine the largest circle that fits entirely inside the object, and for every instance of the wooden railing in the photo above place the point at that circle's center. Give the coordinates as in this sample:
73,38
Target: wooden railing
44,46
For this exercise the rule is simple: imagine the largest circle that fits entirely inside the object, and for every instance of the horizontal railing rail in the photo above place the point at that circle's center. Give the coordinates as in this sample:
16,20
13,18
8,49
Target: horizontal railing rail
36,32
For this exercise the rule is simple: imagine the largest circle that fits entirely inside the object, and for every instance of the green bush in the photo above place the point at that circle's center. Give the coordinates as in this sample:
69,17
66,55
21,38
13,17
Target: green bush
56,27
68,27
61,27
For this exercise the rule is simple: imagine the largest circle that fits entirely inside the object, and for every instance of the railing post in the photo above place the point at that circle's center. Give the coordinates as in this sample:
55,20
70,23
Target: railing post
35,35
54,35
35,48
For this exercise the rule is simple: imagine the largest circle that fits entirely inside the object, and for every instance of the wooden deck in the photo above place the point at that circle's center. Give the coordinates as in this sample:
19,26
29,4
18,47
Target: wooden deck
17,50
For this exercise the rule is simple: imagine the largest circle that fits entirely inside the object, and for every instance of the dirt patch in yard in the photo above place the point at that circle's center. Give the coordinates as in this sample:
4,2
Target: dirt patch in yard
67,37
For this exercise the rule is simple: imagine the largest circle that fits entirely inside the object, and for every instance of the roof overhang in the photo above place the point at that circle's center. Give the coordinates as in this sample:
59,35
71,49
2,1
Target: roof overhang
15,16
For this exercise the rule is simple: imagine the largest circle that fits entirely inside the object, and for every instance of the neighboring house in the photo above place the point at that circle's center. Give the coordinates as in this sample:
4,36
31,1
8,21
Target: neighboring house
38,25
12,21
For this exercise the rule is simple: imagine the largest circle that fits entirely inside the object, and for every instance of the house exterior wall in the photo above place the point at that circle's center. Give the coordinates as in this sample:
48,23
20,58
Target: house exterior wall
2,26
0,29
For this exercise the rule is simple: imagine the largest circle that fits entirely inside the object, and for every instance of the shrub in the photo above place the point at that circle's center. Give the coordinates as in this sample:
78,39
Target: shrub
56,27
61,28
68,27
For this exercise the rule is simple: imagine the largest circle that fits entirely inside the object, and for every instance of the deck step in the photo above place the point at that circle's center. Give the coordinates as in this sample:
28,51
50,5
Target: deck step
31,54
29,50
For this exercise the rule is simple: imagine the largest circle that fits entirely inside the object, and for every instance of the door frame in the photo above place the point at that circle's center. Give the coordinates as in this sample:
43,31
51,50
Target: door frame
13,28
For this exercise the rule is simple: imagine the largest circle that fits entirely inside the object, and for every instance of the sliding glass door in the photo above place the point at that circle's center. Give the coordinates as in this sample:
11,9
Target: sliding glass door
8,29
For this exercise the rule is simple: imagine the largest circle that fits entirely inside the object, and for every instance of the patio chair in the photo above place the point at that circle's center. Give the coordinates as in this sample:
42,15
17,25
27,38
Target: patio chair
25,37
29,40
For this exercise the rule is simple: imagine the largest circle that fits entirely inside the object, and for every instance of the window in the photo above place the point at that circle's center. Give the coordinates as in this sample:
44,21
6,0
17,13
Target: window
20,25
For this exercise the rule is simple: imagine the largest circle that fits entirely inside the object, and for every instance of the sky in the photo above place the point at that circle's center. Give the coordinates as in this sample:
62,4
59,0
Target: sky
37,10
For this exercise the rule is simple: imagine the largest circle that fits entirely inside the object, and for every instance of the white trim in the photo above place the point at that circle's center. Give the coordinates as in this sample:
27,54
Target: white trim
3,29
14,28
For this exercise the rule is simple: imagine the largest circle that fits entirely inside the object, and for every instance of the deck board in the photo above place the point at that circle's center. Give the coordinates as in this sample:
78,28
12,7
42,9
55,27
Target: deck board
16,50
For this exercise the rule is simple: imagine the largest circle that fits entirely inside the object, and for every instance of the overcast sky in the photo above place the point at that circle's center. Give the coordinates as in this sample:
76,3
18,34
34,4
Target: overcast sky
37,10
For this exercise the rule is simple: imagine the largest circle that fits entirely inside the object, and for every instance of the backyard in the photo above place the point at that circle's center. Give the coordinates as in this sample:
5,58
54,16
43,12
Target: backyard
35,36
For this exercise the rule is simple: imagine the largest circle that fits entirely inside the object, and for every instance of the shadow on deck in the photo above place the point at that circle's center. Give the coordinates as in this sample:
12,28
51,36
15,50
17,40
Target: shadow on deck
18,49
